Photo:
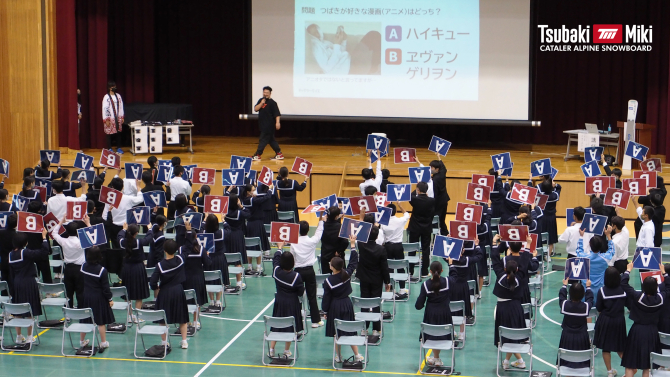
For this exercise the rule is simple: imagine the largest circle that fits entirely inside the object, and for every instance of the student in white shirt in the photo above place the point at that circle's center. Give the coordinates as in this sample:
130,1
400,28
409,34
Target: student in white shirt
73,258
304,253
369,181
620,238
393,239
119,214
647,232
57,204
178,185
571,235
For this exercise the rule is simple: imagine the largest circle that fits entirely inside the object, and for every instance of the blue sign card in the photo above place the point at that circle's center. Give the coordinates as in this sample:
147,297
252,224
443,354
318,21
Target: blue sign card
19,203
3,219
541,167
374,156
507,172
636,150
376,142
447,247
569,214
138,215
195,218
153,199
647,258
88,175
165,163
133,171
383,215
83,161
239,162
501,161
4,167
327,202
591,169
398,193
439,145
206,241
52,156
594,224
346,206
554,171
46,184
593,153
92,236
188,171
232,177
164,173
417,175
577,268
360,229
251,176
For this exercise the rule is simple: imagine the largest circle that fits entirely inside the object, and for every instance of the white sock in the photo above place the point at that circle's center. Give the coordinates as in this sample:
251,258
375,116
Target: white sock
164,342
259,267
272,350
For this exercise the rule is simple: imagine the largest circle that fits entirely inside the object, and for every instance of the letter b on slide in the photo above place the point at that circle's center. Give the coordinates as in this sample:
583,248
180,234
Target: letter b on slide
393,56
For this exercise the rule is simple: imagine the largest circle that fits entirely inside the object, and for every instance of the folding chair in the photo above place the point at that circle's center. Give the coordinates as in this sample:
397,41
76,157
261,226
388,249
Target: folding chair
170,236
665,340
146,327
665,247
472,285
9,311
254,242
442,345
192,309
525,347
436,226
591,327
389,296
5,287
69,327
275,336
487,279
287,216
56,263
350,340
399,264
303,315
268,228
124,305
320,279
146,249
661,360
535,295
494,222
169,227
413,247
528,310
369,303
458,306
575,357
544,236
211,276
234,270
53,289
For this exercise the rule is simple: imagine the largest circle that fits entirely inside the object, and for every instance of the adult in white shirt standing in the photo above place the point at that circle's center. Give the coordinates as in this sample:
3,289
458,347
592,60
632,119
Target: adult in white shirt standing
178,185
73,258
571,235
647,232
620,238
119,213
369,181
393,240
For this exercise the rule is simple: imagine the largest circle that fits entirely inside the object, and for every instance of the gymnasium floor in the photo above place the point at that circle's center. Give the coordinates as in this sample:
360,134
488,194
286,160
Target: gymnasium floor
230,344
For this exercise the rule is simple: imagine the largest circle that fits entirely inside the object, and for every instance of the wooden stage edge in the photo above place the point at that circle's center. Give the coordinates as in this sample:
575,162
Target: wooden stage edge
338,164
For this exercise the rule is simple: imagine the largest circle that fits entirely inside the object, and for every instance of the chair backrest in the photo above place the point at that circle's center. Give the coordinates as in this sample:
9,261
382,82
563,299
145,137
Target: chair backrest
190,294
56,250
397,264
5,287
147,249
437,330
51,288
545,237
436,220
278,322
150,271
252,241
349,326
575,356
514,334
665,338
593,313
150,316
411,246
526,308
286,215
169,225
234,257
488,249
71,314
659,359
268,228
665,241
472,284
366,303
320,278
119,292
16,309
494,233
170,236
666,227
495,221
457,306
213,275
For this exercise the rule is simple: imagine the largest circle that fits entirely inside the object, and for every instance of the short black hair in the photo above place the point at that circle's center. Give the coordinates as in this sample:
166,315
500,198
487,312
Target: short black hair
147,177
12,220
612,277
28,171
579,213
621,265
205,189
596,244
20,240
71,229
656,199
97,183
117,184
44,164
90,206
65,173
304,228
170,247
576,291
3,194
369,218
650,286
180,202
94,255
57,186
437,164
617,172
370,190
386,173
152,161
286,262
178,170
34,206
493,172
28,181
393,209
374,233
649,211
267,88
366,173
176,161
547,186
619,222
422,187
515,246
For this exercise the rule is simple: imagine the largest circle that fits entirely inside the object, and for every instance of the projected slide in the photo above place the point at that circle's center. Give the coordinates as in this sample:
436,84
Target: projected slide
386,50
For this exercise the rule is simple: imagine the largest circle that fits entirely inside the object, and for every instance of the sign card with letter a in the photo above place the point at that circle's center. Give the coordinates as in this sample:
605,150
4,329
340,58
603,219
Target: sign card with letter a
79,175
570,217
138,215
51,156
541,167
29,222
110,159
648,176
92,236
541,200
206,241
133,171
204,176
4,167
593,154
345,205
421,174
636,186
330,201
153,199
239,162
508,172
110,196
484,180
577,268
404,155
447,247
232,177
359,203
598,185
513,233
265,176
439,146
616,198
383,215
463,230
284,232
75,211
376,142
83,161
216,204
501,161
591,169
652,164
193,218
477,193
360,229
302,167
647,258
398,193
188,171
164,174
3,219
594,224
523,194
636,150
469,212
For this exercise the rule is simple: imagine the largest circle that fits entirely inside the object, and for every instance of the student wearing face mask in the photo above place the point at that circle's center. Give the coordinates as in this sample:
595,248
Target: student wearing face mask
112,117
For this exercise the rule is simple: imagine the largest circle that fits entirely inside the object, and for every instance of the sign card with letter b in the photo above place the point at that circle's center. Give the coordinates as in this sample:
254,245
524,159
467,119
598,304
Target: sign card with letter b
360,229
469,212
598,184
75,210
398,193
404,155
265,176
359,203
636,186
541,200
92,236
153,199
463,230
110,196
647,258
439,145
513,233
649,177
577,268
284,232
29,222
483,180
204,176
523,194
447,247
110,159
594,224
652,164
636,151
655,274
478,193
216,204
302,167
615,197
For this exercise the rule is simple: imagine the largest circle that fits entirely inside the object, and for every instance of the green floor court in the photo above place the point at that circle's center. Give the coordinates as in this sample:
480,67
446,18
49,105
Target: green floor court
230,344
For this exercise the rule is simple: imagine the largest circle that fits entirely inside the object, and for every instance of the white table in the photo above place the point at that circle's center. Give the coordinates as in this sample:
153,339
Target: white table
184,129
611,140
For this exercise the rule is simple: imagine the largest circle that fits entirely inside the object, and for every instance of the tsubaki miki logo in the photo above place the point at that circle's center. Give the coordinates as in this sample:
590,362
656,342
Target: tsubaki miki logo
612,37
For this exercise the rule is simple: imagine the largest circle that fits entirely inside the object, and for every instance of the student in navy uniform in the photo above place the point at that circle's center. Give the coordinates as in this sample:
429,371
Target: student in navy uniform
6,246
288,190
420,226
22,265
526,262
97,296
181,207
509,290
510,207
69,188
4,204
496,197
167,281
255,226
197,261
156,251
436,295
269,206
35,242
331,244
236,218
93,193
528,215
289,289
149,186
385,180
484,236
134,274
439,175
373,272
200,201
609,172
28,192
575,336
610,329
461,273
548,220
42,171
218,257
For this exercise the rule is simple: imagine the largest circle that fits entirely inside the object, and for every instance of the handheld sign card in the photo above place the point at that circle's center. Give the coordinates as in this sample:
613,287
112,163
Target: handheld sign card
616,198
216,204
133,171
153,199
447,247
439,145
577,268
265,176
81,175
380,199
554,171
652,164
75,210
194,218
19,203
302,167
636,186
42,191
478,193
598,184
50,222
376,142
164,174
501,161
593,154
313,208
523,194
590,169
251,177
540,167
398,193
92,236
404,155
533,244
636,150
594,224
4,167
513,233
508,172
569,214
284,232
51,156
204,176
83,161
383,215
541,200
138,215
3,219
110,196
164,162
484,180
232,177
647,258
360,229
469,212
239,162
206,241
328,201
29,222
417,175
359,203
648,176
110,159
463,230
188,171
345,206
658,275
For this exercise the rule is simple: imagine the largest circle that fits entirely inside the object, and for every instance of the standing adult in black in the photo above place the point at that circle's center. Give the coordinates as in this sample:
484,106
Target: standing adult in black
373,272
268,121
421,224
439,175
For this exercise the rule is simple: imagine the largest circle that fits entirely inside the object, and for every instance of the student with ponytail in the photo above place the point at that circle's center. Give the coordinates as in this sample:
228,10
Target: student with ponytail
610,329
435,295
287,193
134,274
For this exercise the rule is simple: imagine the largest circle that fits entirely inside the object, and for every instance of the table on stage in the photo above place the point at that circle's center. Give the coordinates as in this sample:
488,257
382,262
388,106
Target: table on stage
161,112
610,140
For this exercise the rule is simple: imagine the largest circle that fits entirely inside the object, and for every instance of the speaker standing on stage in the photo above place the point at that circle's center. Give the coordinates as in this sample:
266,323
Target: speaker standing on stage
268,121
113,116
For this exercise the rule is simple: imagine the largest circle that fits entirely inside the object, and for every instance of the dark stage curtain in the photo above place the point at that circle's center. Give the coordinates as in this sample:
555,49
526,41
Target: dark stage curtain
68,134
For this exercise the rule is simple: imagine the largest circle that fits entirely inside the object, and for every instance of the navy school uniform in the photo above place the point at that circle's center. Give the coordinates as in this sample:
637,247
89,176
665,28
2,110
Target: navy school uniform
156,249
643,338
270,206
69,188
237,221
289,289
199,201
196,263
24,273
508,312
437,310
97,294
287,196
218,257
169,276
48,174
180,238
510,207
535,216
255,226
461,271
483,234
610,329
336,302
134,274
575,336
526,262
497,198
664,320
547,222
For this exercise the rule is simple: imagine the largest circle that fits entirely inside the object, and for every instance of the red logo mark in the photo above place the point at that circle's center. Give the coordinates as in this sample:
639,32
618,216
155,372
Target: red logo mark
607,33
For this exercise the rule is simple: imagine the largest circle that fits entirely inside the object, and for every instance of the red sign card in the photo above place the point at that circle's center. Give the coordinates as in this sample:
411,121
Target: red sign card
649,177
652,164
484,180
314,208
463,230
366,203
513,233
204,176
636,186
29,222
302,167
110,159
598,185
42,191
523,194
404,155
655,274
616,198
469,212
533,245
478,193
380,199
284,232
265,176
75,211
110,196
541,200
216,204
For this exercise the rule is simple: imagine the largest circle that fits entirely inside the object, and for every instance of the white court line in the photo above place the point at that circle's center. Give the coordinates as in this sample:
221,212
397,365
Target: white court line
544,315
550,364
234,339
229,319
550,272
